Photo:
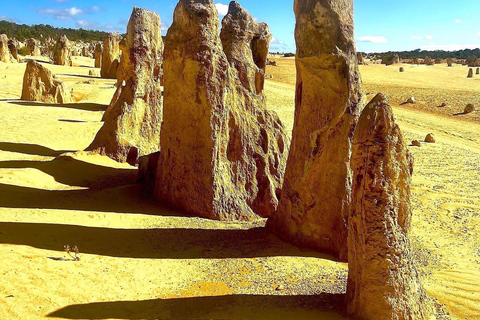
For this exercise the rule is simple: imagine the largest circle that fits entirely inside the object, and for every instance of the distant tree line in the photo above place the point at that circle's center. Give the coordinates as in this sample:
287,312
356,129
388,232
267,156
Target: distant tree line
23,31
437,54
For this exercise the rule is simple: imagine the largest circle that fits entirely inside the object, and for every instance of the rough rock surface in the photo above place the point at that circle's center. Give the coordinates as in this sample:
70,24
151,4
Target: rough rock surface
383,282
450,62
416,143
360,59
469,108
110,56
33,47
429,61
12,47
470,73
314,205
40,85
5,55
430,138
133,119
61,52
222,153
97,54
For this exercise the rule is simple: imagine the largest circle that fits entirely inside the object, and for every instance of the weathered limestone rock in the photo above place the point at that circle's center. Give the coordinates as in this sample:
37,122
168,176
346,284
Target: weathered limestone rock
5,55
40,85
383,282
401,69
134,117
450,62
429,61
98,55
360,58
61,52
390,59
477,71
469,108
315,196
430,138
33,47
411,100
110,56
472,61
416,143
470,73
12,47
222,153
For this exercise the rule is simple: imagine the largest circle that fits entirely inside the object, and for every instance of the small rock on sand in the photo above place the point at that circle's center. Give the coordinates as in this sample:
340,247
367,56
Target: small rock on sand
430,138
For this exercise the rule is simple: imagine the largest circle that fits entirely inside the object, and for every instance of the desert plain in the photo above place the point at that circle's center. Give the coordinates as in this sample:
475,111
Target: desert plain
141,260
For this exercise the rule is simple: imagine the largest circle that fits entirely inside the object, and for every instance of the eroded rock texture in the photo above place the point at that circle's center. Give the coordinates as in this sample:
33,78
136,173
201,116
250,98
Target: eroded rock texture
12,47
40,85
382,281
133,119
33,47
97,54
5,55
222,153
110,56
317,189
61,52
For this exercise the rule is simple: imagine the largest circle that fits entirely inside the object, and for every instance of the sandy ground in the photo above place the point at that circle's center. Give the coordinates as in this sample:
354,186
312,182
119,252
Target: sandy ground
139,260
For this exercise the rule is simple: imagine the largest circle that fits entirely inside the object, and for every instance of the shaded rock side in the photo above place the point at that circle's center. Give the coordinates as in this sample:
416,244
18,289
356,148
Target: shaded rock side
317,189
133,119
222,153
97,55
40,85
61,52
12,47
110,56
5,55
383,282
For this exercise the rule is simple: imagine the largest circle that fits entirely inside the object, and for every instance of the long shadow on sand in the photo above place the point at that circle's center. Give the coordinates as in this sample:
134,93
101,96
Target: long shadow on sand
232,307
73,172
33,149
153,243
83,76
77,106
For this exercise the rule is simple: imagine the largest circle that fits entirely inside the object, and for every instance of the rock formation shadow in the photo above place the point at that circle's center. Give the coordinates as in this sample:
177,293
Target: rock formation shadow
172,243
80,76
32,149
233,307
79,106
73,172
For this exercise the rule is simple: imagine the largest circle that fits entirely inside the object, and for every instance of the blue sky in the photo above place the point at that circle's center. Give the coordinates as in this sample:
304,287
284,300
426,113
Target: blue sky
380,25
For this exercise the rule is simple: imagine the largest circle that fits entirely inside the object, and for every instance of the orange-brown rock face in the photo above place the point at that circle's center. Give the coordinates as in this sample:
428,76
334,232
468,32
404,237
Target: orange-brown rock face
97,54
382,280
5,55
40,85
61,52
222,153
133,119
110,56
317,189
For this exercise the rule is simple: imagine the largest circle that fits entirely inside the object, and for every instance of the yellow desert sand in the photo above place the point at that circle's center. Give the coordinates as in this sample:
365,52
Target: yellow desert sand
139,260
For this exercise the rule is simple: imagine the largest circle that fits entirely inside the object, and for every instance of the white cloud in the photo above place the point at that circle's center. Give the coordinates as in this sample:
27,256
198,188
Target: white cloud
374,39
416,37
67,14
8,19
458,21
429,37
222,9
276,41
164,27
86,24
